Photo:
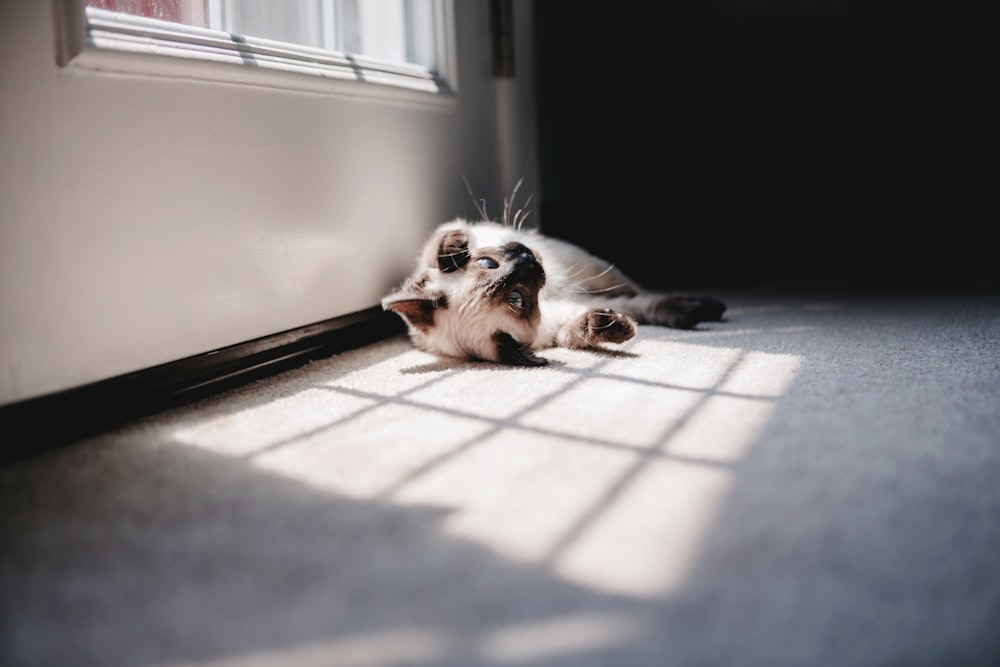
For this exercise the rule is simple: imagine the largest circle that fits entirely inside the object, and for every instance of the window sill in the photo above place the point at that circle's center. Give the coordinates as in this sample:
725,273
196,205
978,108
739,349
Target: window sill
107,41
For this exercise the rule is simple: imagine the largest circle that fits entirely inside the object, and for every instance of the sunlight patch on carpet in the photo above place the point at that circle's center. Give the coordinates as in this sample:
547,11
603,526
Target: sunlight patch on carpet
605,469
281,419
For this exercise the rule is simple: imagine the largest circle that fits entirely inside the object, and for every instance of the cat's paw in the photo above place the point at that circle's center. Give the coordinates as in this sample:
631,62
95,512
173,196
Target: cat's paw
600,325
682,311
607,326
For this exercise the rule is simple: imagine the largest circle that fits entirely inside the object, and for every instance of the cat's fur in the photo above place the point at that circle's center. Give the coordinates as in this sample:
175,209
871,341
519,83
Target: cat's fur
498,292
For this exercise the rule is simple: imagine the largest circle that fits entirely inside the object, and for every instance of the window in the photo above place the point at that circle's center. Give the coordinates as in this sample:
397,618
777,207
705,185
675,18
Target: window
202,190
402,43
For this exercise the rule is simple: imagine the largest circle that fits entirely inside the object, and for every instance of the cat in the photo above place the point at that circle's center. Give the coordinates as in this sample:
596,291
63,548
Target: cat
500,292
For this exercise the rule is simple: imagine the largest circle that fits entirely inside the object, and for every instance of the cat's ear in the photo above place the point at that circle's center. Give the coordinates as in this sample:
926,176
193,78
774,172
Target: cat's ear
418,311
514,353
453,250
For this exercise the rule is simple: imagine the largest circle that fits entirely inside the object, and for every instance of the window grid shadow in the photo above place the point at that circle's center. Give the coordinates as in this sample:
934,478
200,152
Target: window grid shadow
657,449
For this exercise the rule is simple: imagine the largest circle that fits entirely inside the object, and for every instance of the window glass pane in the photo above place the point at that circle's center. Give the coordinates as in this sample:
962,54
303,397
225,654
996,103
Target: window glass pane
394,30
299,22
189,12
382,30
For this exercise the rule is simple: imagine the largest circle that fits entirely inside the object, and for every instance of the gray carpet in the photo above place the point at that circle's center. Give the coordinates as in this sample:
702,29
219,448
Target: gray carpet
815,481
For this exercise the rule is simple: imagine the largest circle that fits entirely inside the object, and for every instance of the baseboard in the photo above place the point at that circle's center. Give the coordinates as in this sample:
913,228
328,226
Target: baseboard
40,424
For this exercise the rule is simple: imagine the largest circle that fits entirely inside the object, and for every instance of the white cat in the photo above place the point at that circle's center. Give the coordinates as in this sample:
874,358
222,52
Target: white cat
498,292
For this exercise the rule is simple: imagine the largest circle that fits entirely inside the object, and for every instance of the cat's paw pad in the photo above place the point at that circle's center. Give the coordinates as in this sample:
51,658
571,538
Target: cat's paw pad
681,311
606,326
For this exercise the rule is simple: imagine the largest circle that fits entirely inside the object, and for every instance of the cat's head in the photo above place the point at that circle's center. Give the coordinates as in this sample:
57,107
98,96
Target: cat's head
473,302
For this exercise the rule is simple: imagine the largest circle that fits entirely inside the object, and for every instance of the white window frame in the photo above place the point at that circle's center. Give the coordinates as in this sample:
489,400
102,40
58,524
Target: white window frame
101,40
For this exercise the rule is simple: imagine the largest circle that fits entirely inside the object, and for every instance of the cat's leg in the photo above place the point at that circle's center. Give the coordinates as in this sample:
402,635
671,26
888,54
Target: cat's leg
677,311
684,311
595,326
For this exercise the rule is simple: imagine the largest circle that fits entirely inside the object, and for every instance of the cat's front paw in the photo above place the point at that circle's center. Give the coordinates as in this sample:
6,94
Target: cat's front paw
607,326
600,325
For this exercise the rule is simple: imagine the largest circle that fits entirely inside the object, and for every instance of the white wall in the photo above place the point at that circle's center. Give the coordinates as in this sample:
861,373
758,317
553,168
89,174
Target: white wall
144,219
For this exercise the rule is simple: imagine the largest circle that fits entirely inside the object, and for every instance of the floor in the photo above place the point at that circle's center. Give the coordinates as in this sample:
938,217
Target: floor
811,482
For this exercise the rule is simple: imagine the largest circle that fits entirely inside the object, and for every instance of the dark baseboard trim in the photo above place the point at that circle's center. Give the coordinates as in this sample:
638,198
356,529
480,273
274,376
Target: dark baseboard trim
40,424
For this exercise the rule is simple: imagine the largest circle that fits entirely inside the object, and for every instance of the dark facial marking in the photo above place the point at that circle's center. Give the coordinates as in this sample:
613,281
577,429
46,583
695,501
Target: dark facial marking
514,353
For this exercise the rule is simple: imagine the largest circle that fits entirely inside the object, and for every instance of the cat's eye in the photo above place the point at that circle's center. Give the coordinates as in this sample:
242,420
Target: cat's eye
487,262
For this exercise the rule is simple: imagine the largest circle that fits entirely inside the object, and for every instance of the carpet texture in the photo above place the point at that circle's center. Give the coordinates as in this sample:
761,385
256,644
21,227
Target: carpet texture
812,482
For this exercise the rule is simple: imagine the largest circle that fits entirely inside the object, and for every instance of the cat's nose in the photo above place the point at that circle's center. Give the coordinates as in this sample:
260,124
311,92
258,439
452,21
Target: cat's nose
523,266
518,251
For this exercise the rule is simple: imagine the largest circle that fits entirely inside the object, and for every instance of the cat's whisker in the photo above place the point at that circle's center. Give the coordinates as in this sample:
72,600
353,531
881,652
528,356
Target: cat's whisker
611,323
574,269
522,214
583,290
507,203
480,204
611,267
602,290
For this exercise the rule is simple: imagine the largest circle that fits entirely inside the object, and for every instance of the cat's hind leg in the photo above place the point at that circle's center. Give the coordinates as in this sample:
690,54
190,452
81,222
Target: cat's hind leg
683,311
677,311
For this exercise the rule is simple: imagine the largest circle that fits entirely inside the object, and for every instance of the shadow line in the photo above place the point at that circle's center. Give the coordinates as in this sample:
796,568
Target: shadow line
643,458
